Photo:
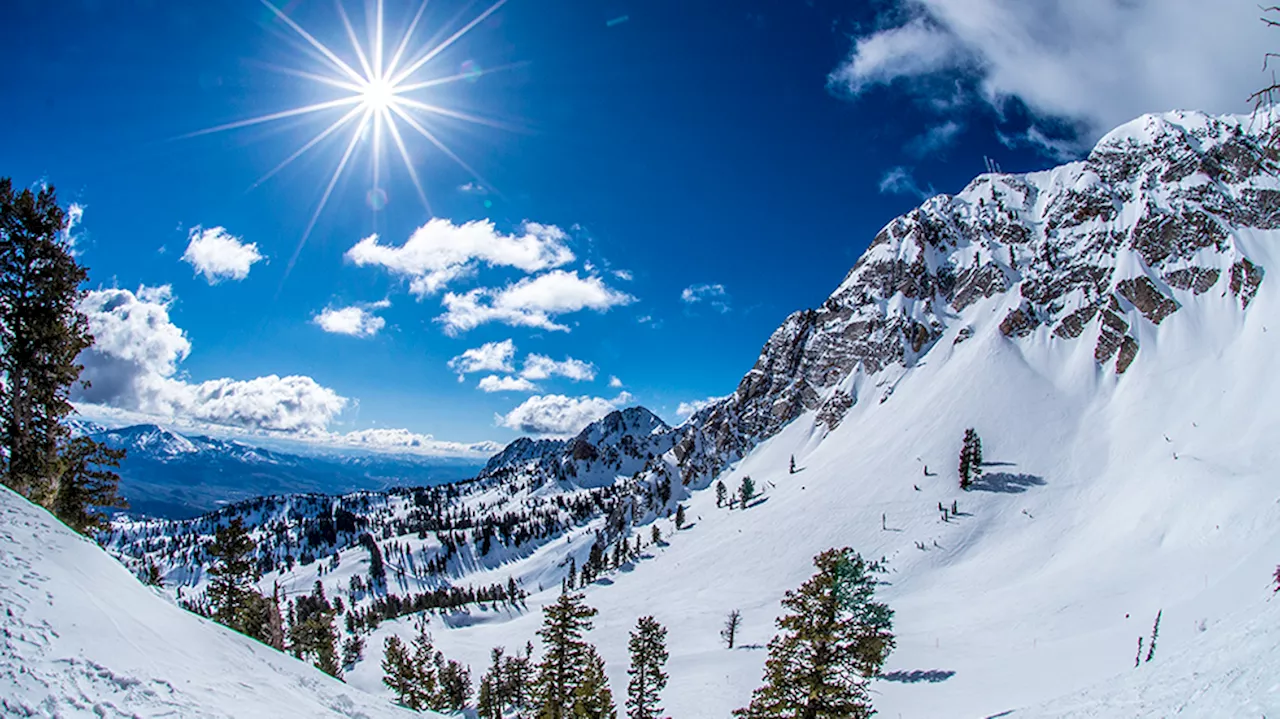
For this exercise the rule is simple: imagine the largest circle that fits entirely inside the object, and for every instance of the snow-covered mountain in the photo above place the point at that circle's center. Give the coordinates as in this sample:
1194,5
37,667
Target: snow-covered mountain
1104,326
171,475
80,637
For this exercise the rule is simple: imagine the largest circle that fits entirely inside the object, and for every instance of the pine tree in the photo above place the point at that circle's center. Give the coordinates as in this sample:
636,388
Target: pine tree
834,639
564,666
1155,632
454,681
721,492
42,332
399,675
648,656
233,574
86,484
747,490
488,705
793,465
730,632
592,698
313,635
655,534
352,651
970,458
680,518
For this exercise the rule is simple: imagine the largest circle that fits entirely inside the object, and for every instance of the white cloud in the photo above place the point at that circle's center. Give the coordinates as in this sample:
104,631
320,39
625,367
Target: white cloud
473,188
687,409
556,414
488,357
134,359
440,252
218,255
403,440
494,383
624,275
615,383
531,302
935,138
1096,62
355,321
713,295
538,366
900,181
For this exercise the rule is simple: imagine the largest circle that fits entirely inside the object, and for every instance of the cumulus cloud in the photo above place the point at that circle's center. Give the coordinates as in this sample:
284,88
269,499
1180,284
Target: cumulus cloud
1098,63
538,366
688,409
440,252
488,357
557,414
354,321
531,302
403,440
624,275
494,383
218,255
615,383
134,359
714,295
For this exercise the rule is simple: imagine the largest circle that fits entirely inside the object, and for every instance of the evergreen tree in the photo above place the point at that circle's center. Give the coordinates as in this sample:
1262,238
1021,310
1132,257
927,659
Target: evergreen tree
730,632
721,492
680,518
233,573
313,635
1155,633
488,705
655,534
42,332
352,651
793,465
399,674
86,484
567,657
746,491
970,458
834,639
648,657
592,698
454,681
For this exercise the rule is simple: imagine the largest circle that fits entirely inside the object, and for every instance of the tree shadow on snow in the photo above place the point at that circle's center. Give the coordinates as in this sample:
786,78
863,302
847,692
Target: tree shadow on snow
998,464
1006,482
933,676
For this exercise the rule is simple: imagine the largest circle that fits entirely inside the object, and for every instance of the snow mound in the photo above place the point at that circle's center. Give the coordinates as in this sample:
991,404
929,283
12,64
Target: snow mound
79,636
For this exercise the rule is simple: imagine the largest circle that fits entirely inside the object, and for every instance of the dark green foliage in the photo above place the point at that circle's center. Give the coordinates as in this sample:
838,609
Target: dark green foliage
352,651
746,491
42,332
87,484
1155,633
648,647
402,676
454,680
568,657
655,534
680,518
592,698
970,458
506,684
833,640
234,601
721,493
312,635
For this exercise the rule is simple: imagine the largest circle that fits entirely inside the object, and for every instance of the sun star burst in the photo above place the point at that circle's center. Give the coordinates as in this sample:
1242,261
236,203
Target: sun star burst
376,100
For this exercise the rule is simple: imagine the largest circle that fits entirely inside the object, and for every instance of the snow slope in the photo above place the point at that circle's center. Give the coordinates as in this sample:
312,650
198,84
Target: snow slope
79,636
1104,326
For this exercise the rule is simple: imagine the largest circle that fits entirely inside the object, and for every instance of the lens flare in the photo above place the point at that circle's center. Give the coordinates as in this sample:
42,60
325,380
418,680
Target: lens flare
375,100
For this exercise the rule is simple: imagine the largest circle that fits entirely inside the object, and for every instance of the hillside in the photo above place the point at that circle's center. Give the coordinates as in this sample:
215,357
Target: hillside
82,638
1104,328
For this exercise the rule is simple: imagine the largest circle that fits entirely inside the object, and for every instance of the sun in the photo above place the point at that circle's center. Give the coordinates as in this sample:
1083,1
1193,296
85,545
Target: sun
379,96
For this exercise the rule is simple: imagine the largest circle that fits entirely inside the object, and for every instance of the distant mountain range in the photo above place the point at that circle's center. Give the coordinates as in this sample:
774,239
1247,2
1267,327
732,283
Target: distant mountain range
173,476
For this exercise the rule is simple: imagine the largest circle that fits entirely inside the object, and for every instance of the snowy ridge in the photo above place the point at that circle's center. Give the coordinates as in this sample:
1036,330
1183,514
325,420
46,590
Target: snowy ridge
1105,328
82,638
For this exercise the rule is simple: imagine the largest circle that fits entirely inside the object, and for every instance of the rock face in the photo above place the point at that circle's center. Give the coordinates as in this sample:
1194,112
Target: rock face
1095,251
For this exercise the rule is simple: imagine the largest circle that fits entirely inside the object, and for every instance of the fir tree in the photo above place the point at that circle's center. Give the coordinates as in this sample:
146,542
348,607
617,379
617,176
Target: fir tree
1155,632
648,657
680,518
746,491
352,651
835,638
566,661
970,458
1277,579
793,465
399,675
454,681
721,492
655,534
730,631
231,590
86,484
592,698
42,332
313,635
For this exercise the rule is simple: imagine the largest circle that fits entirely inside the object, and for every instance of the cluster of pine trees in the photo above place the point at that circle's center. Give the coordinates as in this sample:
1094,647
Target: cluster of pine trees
42,333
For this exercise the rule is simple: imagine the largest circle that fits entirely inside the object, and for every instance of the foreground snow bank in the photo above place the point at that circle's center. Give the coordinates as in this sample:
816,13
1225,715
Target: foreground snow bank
79,636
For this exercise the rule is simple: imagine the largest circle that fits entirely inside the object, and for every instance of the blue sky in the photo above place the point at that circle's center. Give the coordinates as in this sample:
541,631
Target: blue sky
692,171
